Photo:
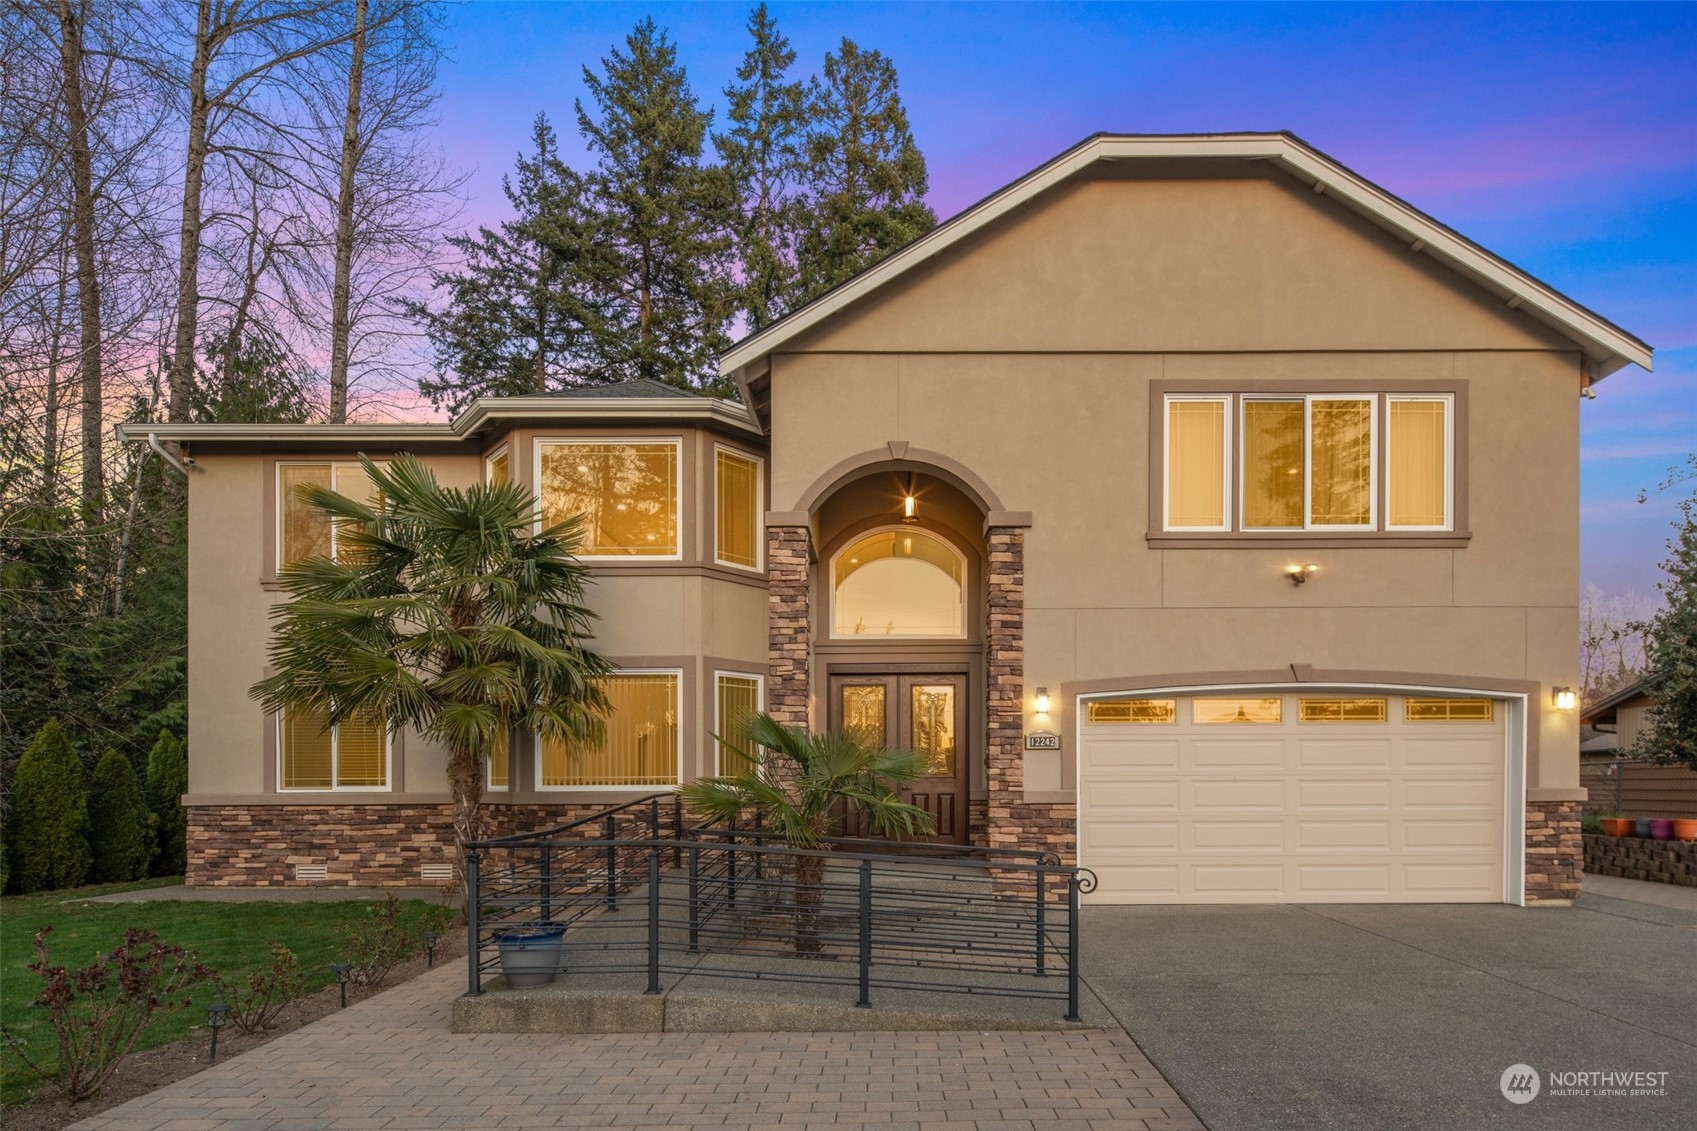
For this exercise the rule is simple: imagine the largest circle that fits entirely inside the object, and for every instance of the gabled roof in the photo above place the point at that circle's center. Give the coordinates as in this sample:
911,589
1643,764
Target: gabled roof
1606,345
1608,704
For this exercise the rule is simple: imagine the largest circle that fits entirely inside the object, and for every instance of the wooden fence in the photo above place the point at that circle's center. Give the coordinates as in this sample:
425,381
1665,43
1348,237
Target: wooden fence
1639,789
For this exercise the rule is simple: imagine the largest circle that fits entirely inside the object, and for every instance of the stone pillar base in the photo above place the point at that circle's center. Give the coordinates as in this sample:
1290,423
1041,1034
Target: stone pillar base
1555,852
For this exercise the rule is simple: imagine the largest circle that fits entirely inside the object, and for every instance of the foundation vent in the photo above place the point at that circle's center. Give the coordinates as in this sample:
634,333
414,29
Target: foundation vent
438,873
309,872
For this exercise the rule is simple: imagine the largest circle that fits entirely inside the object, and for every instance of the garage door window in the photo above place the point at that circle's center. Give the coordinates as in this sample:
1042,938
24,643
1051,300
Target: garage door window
1342,710
1447,710
1237,710
1134,711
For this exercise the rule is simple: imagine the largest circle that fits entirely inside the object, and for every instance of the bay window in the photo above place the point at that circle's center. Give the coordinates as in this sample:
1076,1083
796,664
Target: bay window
736,495
738,698
1311,462
625,491
639,746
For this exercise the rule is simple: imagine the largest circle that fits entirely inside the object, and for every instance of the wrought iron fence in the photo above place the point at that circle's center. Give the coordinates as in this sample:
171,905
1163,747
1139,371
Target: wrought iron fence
645,899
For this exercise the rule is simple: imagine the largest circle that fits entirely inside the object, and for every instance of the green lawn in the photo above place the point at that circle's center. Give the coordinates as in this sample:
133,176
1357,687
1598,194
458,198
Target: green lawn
233,938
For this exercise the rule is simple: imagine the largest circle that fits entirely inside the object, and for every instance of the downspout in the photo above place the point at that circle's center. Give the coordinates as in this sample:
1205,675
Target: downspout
181,467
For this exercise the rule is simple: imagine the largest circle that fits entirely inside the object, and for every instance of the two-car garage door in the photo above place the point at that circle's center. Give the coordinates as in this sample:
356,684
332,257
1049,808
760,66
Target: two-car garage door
1299,797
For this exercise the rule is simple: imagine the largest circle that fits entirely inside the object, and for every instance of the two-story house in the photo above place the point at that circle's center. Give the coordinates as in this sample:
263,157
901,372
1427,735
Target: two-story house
1201,509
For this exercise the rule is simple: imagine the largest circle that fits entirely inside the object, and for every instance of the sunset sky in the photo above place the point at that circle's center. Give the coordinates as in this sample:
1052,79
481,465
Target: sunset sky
1562,137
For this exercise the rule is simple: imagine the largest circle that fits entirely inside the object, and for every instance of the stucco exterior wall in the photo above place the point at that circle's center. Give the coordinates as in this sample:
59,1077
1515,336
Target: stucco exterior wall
686,615
1029,353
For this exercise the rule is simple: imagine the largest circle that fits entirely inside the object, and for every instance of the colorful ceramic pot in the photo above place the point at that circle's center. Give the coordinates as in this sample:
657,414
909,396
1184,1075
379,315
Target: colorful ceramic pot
1617,826
1641,827
1684,829
1661,828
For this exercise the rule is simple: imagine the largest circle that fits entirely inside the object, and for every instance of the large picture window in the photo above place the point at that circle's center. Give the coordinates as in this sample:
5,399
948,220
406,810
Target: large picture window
898,583
627,493
736,496
640,746
1309,462
303,531
311,754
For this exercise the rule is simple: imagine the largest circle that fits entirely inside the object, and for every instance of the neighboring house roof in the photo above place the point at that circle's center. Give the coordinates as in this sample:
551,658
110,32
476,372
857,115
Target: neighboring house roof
1604,709
1600,744
634,401
1606,345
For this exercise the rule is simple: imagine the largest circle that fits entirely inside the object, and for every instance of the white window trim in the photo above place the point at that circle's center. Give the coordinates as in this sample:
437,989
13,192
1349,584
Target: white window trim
334,465
1448,401
718,719
676,442
1374,402
759,565
489,464
1227,449
335,760
677,770
831,584
1243,402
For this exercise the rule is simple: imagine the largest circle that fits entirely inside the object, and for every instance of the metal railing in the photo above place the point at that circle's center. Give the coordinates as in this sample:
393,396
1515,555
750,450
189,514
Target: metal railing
645,898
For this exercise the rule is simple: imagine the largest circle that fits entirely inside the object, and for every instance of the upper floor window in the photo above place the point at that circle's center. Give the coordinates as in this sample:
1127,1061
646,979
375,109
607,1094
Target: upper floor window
497,469
1315,462
736,493
901,582
626,491
303,530
312,754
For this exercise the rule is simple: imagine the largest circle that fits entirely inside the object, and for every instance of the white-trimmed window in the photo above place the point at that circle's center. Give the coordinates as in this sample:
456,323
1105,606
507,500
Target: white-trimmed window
738,697
311,754
899,582
497,764
1315,463
627,492
639,747
303,531
497,467
736,508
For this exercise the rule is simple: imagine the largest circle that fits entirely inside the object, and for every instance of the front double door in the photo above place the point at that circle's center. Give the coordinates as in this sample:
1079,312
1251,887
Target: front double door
927,713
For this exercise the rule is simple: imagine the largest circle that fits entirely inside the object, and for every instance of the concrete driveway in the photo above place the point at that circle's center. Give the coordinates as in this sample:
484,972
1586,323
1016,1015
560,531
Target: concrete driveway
1381,1017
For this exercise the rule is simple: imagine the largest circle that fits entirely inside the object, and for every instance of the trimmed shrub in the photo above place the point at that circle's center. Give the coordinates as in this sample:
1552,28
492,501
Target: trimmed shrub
120,827
49,815
167,781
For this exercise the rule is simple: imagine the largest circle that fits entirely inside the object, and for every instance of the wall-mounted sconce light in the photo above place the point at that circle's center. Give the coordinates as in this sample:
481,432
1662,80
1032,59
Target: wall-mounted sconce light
1042,700
910,502
1298,574
1564,698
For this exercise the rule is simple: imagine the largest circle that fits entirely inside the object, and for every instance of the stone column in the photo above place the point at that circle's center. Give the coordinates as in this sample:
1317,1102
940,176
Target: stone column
788,631
1554,851
1005,670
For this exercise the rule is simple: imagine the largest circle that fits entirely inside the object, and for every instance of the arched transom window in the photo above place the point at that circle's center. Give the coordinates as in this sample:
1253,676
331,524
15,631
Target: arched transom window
898,583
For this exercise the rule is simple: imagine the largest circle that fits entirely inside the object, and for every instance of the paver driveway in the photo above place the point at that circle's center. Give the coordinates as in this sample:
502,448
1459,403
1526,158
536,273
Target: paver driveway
1386,1017
390,1062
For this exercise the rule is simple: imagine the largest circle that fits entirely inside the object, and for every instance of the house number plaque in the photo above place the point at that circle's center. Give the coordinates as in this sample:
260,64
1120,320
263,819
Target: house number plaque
1043,740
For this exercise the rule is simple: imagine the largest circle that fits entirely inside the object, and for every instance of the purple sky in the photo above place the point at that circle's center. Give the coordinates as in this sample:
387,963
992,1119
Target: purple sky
1562,137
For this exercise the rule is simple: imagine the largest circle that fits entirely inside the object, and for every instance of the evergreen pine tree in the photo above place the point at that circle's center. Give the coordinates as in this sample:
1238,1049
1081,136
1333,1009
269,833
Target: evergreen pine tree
49,815
663,218
866,176
1671,646
519,308
762,152
167,781
120,826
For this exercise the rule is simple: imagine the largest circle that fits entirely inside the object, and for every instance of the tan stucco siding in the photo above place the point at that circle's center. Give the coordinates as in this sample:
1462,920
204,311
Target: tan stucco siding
1228,264
1029,356
674,617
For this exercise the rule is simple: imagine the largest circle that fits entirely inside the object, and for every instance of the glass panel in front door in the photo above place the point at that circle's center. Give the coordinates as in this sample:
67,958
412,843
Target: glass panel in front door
863,711
934,727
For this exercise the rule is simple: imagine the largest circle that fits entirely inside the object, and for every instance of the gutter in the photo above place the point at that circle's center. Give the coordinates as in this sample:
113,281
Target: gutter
181,466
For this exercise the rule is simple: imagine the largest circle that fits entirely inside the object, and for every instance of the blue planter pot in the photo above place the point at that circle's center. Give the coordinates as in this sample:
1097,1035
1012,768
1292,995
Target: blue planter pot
530,956
1641,827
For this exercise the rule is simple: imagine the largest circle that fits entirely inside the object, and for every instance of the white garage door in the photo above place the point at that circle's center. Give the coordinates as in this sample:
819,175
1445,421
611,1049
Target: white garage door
1292,797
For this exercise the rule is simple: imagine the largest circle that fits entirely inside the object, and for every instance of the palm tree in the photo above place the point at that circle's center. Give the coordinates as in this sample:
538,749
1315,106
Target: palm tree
799,786
443,613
